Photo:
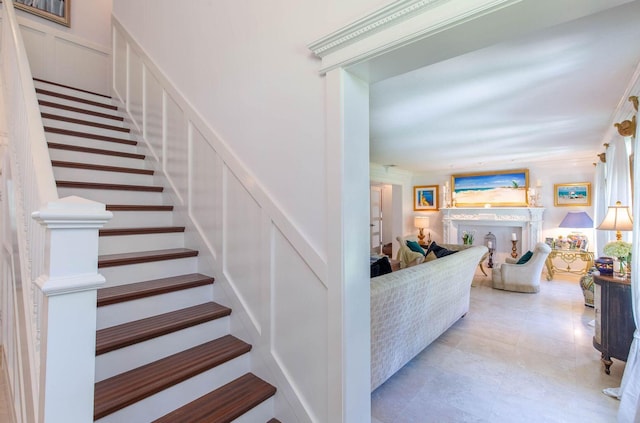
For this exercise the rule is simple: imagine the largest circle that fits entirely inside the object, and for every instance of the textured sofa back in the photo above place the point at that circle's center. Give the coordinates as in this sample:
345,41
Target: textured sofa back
410,308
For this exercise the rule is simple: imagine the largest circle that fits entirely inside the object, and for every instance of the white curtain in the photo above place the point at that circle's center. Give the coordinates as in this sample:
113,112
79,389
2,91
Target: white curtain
618,179
600,205
629,410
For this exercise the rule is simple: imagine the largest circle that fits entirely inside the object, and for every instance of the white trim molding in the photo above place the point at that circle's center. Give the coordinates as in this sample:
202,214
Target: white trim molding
370,35
380,19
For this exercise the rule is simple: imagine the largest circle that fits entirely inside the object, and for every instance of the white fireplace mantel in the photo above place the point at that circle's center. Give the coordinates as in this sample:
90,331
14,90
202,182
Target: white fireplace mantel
529,219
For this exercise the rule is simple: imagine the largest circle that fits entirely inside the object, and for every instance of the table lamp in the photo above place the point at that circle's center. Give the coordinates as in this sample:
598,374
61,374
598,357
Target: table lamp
422,222
576,220
618,219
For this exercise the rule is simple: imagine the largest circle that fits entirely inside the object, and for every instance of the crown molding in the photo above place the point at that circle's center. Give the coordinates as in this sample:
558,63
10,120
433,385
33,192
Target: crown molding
396,25
376,21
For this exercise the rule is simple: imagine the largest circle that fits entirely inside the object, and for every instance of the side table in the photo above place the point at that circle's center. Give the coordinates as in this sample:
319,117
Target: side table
569,257
614,319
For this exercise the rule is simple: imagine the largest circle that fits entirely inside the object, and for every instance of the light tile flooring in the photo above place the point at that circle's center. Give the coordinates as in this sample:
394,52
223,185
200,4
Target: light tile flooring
513,358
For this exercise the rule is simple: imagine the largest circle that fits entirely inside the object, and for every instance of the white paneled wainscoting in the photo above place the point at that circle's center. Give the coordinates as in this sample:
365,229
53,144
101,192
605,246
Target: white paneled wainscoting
266,270
503,222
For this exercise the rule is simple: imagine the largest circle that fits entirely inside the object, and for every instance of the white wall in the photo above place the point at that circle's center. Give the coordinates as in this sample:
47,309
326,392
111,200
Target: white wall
78,56
237,100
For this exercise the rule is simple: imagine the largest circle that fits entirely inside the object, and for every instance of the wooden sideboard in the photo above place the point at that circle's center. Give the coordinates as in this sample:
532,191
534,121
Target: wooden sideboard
614,318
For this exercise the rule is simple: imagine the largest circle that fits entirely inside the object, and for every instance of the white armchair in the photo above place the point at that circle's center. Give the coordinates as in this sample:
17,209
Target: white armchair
522,277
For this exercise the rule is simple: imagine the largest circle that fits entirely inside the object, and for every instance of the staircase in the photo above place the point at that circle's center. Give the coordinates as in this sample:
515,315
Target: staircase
163,349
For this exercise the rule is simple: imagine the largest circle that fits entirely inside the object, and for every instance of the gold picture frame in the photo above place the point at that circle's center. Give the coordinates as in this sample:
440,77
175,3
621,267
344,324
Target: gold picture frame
503,188
425,198
577,194
58,11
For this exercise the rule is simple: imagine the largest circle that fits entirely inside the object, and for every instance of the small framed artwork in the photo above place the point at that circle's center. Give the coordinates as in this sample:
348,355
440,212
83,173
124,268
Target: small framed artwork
425,198
54,10
574,194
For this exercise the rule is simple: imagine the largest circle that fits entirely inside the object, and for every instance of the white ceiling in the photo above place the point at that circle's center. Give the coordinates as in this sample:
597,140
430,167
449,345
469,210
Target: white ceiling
548,95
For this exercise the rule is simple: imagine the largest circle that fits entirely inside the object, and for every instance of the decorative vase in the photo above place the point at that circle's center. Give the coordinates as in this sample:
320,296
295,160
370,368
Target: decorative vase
622,270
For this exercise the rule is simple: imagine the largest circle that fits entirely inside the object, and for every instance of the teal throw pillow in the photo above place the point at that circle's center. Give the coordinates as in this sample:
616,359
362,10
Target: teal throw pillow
525,257
414,246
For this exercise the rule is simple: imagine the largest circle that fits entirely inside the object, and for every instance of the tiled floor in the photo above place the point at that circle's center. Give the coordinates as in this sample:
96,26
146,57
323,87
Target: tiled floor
513,358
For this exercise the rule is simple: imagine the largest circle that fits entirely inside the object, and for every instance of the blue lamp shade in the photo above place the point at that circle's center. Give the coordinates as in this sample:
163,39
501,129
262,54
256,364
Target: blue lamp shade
576,220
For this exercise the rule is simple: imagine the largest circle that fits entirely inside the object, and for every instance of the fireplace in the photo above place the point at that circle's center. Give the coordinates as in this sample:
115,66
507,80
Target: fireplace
524,222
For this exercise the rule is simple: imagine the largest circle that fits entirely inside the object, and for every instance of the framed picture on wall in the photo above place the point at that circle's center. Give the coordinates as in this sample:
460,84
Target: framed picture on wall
54,10
504,188
573,194
425,198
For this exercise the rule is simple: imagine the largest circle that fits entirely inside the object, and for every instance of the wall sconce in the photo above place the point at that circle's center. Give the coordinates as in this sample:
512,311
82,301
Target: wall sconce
422,222
618,219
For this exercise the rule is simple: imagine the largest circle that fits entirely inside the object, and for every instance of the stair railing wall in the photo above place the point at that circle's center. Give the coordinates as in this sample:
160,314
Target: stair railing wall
265,269
49,259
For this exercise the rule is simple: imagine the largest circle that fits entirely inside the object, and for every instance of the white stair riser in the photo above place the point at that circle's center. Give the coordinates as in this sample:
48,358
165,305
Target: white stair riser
263,412
88,175
183,393
119,275
133,356
117,314
84,116
89,129
91,143
117,244
72,103
71,92
103,159
123,219
108,196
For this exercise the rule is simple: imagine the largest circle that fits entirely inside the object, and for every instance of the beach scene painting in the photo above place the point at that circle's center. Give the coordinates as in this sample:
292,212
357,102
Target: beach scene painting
495,189
425,198
574,194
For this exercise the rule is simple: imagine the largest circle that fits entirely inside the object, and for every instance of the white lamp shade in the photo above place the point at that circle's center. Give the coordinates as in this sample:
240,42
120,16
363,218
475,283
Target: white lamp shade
421,222
618,218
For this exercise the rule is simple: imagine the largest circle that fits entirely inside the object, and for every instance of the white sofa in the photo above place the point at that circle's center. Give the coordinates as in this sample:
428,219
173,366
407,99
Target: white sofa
412,307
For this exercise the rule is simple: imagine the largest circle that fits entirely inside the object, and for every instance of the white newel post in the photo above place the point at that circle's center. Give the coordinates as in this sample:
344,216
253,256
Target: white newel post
68,313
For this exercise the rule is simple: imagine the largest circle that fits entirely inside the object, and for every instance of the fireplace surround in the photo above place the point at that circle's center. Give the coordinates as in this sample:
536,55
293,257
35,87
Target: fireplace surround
525,222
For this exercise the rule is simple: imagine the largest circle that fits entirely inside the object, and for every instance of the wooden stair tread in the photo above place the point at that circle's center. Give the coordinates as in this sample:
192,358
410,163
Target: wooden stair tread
84,122
133,291
225,403
80,134
120,336
100,185
138,207
76,99
273,421
90,166
141,230
109,260
72,88
91,150
129,387
80,110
